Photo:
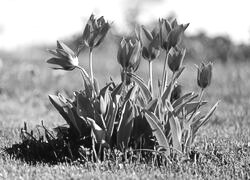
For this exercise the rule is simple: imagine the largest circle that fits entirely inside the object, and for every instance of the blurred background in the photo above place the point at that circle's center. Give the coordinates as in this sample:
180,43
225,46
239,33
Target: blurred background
219,31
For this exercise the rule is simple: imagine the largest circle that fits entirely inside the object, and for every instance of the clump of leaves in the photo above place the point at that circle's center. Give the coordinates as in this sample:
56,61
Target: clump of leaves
128,114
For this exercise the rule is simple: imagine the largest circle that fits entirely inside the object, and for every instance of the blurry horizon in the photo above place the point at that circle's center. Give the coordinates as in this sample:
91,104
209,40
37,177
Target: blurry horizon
27,22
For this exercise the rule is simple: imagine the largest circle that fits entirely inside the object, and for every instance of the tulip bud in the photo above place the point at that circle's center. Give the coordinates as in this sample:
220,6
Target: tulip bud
165,29
176,93
129,54
204,75
65,57
171,34
150,44
175,58
95,31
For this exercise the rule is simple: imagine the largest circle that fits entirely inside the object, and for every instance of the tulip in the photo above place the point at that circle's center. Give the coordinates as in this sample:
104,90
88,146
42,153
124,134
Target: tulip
171,34
176,93
95,31
129,54
65,57
150,44
175,58
204,75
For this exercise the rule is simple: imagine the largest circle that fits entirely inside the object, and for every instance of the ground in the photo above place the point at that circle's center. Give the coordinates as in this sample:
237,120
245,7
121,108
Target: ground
224,144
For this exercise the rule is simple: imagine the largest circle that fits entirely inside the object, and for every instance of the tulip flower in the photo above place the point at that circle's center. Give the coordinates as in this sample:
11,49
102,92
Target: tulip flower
150,44
171,34
129,57
129,54
93,34
95,31
64,57
175,58
204,75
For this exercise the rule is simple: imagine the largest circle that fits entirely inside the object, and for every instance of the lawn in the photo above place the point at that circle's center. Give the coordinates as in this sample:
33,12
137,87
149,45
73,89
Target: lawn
223,147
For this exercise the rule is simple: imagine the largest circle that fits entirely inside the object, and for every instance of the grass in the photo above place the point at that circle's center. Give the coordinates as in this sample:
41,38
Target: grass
223,148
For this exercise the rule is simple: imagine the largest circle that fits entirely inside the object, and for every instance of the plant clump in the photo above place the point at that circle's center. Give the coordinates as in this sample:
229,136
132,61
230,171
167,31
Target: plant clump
125,119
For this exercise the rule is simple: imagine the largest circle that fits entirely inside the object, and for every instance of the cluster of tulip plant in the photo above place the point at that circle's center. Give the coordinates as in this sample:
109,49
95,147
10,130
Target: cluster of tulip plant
129,114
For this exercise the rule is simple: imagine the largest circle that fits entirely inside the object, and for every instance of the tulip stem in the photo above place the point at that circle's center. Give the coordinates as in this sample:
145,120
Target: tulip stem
151,76
91,66
164,74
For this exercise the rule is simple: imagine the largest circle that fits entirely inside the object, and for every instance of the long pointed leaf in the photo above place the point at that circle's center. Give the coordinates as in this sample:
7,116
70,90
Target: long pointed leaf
209,114
181,99
142,86
125,125
175,128
157,131
111,115
58,104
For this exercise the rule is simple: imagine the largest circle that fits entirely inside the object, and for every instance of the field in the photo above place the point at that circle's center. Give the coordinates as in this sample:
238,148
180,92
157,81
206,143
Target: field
223,146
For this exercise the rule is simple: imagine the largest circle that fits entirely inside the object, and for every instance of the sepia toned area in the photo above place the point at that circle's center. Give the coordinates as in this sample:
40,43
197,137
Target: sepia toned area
26,80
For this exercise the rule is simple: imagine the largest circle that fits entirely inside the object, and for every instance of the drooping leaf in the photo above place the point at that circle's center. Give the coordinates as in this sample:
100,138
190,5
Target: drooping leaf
181,99
142,86
191,106
179,108
157,131
125,125
59,105
205,119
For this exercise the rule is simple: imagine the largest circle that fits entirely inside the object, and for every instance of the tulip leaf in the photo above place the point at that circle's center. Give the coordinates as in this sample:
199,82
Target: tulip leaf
175,128
125,126
73,120
117,90
191,106
152,105
131,94
110,119
142,86
59,105
157,130
97,130
96,86
209,114
177,75
179,108
181,99
166,94
84,108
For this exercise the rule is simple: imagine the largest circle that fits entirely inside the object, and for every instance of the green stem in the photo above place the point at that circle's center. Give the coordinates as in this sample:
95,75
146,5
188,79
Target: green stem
83,73
91,66
164,74
151,76
171,84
